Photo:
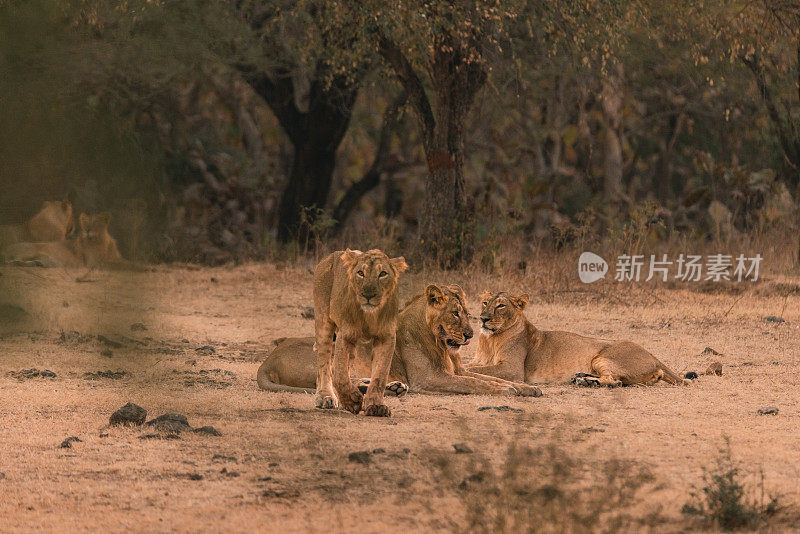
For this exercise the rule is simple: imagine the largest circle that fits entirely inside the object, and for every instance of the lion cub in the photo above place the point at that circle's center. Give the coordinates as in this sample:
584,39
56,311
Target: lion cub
355,299
510,347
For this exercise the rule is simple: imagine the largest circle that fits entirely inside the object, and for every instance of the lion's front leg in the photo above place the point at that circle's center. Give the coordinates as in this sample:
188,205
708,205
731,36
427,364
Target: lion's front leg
325,396
382,353
350,398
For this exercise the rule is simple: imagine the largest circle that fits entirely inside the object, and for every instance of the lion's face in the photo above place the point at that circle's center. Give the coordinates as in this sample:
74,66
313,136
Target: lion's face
500,310
447,316
373,276
94,229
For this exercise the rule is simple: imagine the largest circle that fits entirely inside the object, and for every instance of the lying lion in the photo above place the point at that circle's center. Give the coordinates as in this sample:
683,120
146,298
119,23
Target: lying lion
431,330
52,223
510,347
93,247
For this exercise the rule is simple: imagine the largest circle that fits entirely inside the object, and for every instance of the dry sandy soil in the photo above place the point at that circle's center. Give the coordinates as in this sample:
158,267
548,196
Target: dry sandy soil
280,464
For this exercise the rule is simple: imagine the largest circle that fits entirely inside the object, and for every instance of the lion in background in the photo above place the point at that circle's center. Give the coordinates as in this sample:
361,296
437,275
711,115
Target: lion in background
52,223
432,328
510,347
93,247
355,300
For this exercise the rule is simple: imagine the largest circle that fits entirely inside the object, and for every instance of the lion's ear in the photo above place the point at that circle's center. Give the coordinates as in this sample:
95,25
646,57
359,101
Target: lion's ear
399,264
455,288
520,301
104,218
84,221
435,296
349,257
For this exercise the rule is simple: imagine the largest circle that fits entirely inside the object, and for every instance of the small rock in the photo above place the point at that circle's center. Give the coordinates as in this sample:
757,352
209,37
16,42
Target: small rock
225,471
2,475
195,476
307,313
107,353
170,422
768,410
361,457
714,369
773,319
691,375
103,435
184,340
406,450
709,350
208,349
379,450
129,415
67,443
208,431
502,408
475,478
462,448
110,342
159,436
47,373
223,458
138,327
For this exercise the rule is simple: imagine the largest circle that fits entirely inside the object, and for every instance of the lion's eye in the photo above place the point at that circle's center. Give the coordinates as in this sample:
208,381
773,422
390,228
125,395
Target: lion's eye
360,273
499,306
455,312
383,274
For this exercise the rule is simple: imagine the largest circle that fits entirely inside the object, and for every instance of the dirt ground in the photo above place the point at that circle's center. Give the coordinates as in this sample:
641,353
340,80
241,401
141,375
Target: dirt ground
281,465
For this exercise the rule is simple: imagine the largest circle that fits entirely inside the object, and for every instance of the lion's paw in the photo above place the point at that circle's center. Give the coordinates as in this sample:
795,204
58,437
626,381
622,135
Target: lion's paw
398,389
326,401
586,380
351,399
377,410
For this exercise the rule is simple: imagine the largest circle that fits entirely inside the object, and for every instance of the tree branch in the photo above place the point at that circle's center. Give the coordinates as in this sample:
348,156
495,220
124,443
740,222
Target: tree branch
411,83
382,163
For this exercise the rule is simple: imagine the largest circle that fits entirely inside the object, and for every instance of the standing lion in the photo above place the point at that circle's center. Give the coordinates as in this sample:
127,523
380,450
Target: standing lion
355,299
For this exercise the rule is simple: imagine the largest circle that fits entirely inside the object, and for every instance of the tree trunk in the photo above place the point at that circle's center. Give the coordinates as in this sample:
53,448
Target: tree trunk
315,135
612,126
443,225
308,186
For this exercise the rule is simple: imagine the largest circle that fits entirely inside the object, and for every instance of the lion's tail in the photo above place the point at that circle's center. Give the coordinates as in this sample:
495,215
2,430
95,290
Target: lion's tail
670,377
268,385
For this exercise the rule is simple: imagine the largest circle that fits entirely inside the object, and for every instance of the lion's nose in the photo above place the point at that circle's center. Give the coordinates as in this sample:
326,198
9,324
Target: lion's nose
468,334
484,320
369,293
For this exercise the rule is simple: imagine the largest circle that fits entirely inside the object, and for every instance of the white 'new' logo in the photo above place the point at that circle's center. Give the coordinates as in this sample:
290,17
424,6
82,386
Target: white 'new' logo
591,267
